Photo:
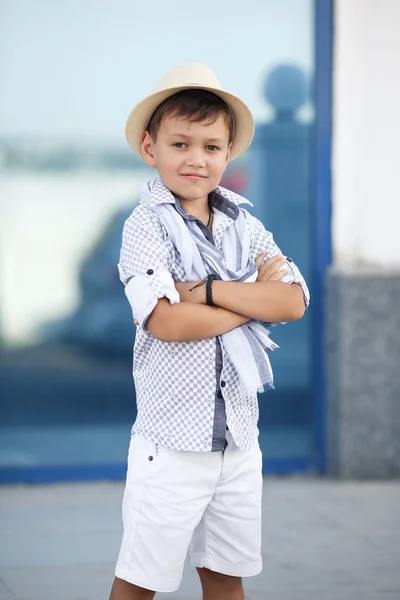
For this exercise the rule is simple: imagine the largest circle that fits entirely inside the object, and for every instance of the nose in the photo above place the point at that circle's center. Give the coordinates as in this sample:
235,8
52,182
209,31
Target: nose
195,159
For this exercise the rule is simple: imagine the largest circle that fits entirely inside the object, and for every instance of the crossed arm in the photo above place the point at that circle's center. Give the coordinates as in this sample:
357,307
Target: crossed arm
268,299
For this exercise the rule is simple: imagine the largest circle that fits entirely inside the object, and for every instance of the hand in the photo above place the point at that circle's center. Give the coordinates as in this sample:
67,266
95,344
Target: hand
270,270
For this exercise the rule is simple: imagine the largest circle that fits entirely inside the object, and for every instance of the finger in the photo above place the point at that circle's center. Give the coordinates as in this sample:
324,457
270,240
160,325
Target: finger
274,260
277,258
260,258
278,275
269,261
272,265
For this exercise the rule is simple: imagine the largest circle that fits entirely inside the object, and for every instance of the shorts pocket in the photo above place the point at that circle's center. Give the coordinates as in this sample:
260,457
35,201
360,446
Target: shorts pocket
131,450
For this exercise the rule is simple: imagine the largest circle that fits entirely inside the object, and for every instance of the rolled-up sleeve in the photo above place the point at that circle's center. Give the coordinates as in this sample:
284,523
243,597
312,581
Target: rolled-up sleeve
145,264
262,240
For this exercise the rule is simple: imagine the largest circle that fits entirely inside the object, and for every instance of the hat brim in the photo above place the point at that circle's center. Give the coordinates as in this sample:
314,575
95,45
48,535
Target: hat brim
141,114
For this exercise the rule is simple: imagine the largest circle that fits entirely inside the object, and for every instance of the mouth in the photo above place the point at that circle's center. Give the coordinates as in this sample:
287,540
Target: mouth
193,176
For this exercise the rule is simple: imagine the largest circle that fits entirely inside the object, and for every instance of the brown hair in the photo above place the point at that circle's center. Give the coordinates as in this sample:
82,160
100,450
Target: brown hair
196,106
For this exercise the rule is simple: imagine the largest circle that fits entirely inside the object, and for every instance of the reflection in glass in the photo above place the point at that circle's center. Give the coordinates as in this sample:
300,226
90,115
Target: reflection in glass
279,165
66,333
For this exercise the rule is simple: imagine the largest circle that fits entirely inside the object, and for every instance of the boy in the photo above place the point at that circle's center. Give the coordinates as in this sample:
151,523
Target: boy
188,257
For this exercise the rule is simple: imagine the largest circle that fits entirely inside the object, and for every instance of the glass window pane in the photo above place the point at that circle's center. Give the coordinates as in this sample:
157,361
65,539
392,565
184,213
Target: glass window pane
68,181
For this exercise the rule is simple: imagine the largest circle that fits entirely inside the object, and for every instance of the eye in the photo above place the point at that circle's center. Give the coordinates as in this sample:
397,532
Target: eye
179,145
212,148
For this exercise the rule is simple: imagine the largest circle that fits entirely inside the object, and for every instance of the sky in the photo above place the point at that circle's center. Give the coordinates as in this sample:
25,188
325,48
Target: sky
73,70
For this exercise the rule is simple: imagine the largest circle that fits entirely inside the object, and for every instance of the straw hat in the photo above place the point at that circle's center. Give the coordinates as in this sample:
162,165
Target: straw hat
184,77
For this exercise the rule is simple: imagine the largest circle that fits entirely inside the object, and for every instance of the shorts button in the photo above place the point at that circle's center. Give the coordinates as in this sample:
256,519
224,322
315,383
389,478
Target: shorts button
223,384
150,272
150,458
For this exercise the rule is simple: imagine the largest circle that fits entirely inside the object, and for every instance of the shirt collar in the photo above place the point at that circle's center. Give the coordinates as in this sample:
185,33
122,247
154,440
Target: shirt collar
221,198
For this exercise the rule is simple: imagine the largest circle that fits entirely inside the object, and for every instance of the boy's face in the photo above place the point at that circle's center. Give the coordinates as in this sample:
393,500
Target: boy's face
190,157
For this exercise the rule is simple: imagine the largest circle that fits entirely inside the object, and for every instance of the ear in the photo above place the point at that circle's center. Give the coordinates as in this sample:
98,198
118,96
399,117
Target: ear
147,147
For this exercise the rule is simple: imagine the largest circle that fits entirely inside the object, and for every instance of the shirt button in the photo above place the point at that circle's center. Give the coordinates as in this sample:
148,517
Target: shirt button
288,259
150,272
150,458
223,384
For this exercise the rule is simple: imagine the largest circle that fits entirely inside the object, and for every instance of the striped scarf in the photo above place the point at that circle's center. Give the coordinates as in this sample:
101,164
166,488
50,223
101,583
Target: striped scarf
246,345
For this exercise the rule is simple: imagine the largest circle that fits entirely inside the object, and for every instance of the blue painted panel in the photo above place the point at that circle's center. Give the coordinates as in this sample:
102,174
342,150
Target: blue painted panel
322,208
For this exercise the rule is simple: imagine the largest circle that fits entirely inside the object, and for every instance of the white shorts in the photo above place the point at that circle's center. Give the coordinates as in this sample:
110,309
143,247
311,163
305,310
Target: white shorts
211,501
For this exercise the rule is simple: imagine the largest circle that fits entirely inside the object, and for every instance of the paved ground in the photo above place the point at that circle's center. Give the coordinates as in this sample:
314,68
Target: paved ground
323,540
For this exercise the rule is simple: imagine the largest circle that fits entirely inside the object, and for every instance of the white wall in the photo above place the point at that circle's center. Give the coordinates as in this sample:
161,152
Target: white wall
366,133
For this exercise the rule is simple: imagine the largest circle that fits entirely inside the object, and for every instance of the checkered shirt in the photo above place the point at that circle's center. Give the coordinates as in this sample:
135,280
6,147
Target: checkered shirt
176,381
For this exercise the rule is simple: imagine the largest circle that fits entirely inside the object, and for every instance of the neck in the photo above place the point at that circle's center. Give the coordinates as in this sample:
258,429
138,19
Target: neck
197,208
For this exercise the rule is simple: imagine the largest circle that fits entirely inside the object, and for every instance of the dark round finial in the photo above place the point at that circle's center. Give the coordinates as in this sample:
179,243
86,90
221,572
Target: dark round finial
286,88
